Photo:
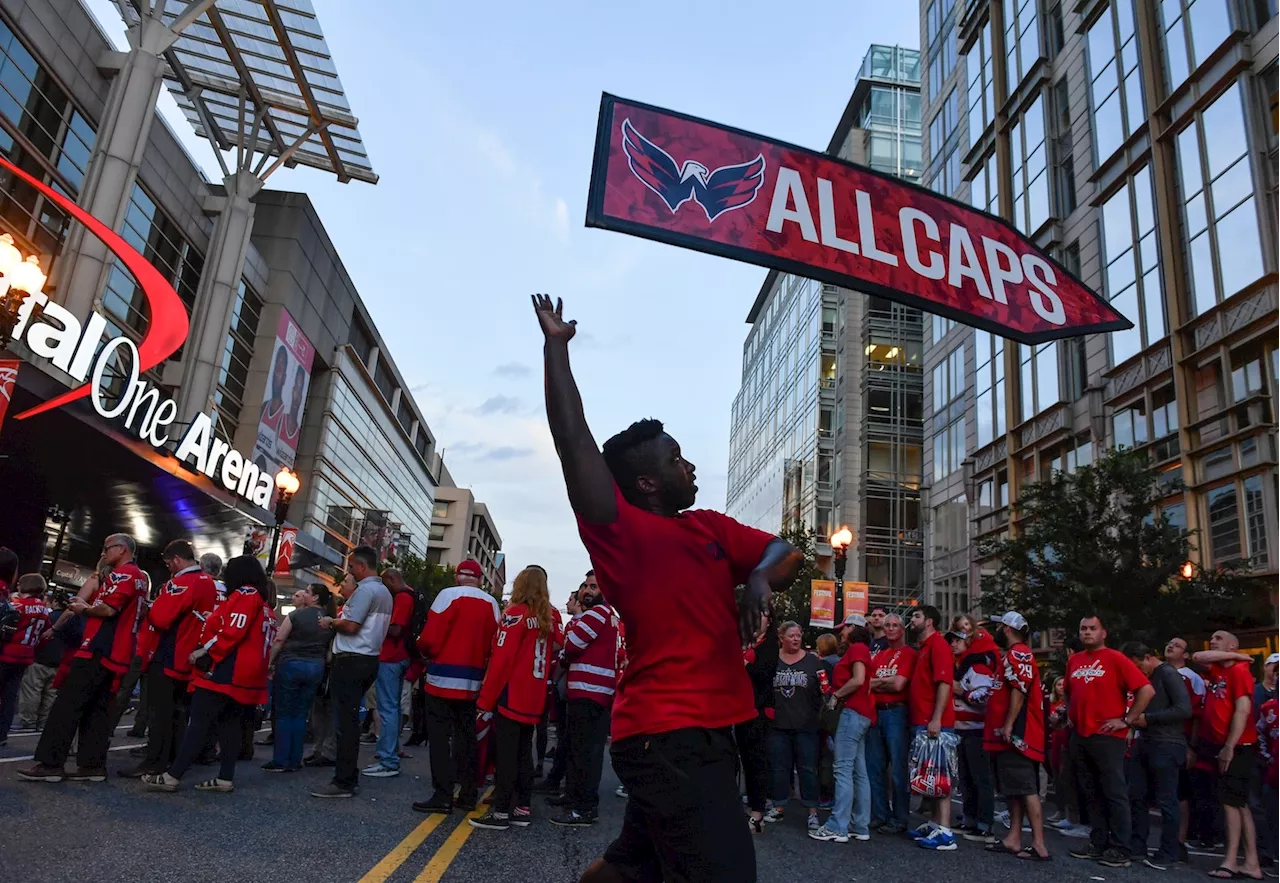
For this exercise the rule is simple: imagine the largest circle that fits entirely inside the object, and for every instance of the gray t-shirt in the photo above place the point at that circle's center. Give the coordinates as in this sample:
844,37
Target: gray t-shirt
370,605
306,639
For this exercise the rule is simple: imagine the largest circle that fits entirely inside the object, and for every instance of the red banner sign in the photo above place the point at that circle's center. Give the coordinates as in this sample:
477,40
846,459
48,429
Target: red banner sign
8,379
822,603
688,182
284,552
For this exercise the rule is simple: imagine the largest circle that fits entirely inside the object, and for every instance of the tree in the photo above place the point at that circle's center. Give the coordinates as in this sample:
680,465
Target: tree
430,579
792,603
1090,542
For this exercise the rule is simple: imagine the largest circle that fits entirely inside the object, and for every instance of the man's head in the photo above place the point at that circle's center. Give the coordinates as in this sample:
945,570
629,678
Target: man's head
589,592
650,471
875,619
959,642
32,584
211,563
363,562
1093,633
118,549
924,621
1142,656
574,606
393,579
1175,652
178,555
894,630
469,573
1009,628
1224,641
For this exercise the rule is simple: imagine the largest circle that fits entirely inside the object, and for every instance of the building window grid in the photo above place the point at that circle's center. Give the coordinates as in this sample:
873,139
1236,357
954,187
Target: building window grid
1193,29
1030,169
1115,79
1062,154
1021,41
980,77
984,186
989,386
233,370
948,380
1038,378
1132,275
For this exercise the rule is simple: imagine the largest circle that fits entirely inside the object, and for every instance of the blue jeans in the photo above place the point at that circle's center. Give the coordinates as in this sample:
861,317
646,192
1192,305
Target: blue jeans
887,746
798,749
387,687
853,788
1152,771
294,689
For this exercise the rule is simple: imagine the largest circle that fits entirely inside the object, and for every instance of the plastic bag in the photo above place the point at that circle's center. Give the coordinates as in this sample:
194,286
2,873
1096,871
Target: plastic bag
933,764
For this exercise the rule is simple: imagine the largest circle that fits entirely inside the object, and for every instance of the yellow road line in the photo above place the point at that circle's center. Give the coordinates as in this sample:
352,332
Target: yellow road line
383,870
449,850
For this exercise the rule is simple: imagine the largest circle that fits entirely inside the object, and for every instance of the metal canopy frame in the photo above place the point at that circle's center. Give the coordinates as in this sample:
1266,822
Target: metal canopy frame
256,76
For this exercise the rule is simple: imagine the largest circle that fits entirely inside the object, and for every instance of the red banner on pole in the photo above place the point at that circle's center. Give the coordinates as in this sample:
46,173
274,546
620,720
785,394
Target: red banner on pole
677,179
8,380
822,603
284,552
855,597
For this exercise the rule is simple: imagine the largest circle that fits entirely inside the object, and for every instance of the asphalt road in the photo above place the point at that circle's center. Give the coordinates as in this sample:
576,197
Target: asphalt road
271,830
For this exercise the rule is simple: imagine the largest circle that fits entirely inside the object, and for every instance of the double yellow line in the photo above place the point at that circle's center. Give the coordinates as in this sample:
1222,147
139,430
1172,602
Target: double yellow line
442,857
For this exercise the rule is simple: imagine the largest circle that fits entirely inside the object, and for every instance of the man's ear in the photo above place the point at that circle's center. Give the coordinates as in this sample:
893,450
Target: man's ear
646,485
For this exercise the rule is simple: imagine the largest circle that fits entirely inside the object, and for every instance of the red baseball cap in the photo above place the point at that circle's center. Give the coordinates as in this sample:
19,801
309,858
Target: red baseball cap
470,568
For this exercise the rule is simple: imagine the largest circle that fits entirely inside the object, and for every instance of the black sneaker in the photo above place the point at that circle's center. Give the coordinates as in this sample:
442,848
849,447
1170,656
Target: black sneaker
492,821
1114,858
1183,855
1158,862
334,791
558,800
272,767
439,803
466,803
571,818
314,761
1088,851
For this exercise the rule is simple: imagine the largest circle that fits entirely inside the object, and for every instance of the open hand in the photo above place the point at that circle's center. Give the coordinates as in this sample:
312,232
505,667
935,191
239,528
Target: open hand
551,318
752,609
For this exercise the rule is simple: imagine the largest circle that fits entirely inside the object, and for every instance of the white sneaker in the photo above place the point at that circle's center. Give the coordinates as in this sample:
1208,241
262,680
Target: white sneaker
825,833
773,815
621,791
813,823
378,771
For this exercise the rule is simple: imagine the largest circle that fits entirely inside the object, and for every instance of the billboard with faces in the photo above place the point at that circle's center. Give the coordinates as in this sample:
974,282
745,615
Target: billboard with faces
284,399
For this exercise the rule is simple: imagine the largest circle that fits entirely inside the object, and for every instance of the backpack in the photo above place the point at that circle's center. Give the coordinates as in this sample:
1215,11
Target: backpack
417,623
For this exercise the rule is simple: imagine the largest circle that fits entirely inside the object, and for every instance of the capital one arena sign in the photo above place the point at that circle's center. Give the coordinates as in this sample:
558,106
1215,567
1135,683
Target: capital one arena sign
83,352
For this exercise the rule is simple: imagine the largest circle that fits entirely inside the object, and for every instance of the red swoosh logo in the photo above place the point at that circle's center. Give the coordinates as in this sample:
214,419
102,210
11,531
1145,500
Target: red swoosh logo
168,328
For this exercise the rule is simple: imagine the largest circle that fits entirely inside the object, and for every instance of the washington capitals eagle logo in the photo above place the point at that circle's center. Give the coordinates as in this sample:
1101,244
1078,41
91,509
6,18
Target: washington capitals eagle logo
719,191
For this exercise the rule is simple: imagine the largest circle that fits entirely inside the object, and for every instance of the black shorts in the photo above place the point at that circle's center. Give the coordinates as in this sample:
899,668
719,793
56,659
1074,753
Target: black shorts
1233,785
1016,774
683,821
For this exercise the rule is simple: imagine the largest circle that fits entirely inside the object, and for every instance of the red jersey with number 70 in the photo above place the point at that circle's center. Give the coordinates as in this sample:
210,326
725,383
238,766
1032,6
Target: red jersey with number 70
112,639
1098,685
672,582
33,619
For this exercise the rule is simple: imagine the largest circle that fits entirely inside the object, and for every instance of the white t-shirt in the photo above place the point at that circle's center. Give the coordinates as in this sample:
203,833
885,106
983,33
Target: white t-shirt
370,605
1197,682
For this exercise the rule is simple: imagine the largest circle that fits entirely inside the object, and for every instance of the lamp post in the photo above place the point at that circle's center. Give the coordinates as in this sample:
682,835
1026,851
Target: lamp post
840,541
287,484
20,278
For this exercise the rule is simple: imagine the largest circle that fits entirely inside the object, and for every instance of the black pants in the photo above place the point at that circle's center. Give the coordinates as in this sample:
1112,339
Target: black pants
351,677
417,714
211,714
1152,771
683,822
166,718
540,737
10,682
451,738
752,738
124,695
513,757
977,786
84,704
589,729
560,763
1099,764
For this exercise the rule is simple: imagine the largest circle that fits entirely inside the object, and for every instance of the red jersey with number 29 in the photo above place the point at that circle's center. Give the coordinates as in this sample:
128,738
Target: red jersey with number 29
114,638
1017,672
672,582
33,619
515,685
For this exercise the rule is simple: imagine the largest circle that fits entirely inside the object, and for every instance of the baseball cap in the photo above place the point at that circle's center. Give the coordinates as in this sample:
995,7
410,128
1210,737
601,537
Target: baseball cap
955,636
855,619
1272,659
1012,619
470,568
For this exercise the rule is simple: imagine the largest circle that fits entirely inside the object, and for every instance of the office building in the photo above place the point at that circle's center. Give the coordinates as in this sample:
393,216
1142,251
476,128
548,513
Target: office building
462,528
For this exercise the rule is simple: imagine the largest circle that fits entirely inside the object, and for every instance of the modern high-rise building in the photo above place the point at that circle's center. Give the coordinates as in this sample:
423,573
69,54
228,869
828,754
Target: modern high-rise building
1136,142
827,425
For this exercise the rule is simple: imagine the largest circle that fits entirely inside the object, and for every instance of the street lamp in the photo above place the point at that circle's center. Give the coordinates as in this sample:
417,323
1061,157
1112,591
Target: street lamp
840,541
287,483
20,278
1187,570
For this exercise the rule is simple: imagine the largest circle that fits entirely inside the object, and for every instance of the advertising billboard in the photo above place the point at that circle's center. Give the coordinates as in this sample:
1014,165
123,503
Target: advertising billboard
285,398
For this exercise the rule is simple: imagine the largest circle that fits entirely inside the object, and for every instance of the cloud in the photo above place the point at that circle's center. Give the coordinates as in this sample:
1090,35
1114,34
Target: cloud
562,220
507,453
512,369
498,404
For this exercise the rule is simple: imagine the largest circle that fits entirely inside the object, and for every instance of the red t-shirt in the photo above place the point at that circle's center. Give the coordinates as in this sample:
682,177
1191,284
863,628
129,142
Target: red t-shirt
1223,685
33,619
671,580
935,664
1017,671
114,638
397,649
889,663
860,700
1098,685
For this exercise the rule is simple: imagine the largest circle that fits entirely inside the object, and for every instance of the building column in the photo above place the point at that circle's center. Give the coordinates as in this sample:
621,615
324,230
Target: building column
121,141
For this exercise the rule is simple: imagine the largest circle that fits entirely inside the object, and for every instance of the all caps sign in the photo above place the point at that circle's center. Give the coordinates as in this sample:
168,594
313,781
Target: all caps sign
688,182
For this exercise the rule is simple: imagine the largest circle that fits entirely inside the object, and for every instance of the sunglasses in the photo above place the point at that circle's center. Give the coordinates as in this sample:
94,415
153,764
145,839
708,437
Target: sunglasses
113,546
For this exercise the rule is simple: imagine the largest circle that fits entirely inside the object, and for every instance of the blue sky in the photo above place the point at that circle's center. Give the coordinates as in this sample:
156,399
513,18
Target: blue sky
480,120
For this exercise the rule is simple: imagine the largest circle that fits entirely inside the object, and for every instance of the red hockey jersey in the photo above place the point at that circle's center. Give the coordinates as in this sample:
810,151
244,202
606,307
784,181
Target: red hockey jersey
113,639
515,685
457,640
33,619
176,619
591,652
238,636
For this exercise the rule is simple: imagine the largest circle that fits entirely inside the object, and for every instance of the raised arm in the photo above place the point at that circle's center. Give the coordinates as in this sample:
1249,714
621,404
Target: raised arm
777,569
586,475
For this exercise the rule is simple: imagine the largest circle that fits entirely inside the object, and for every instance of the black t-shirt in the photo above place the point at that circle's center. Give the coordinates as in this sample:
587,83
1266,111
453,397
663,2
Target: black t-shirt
797,694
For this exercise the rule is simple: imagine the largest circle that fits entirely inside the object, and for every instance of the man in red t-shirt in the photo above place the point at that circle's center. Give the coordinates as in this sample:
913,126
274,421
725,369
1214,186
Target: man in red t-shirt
1099,682
1229,735
887,743
84,700
1014,733
393,662
670,573
930,710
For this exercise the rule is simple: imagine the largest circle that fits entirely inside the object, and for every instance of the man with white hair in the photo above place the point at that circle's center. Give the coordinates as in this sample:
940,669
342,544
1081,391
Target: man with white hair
211,563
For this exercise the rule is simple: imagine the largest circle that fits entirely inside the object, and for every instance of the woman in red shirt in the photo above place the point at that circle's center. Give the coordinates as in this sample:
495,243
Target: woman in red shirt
231,662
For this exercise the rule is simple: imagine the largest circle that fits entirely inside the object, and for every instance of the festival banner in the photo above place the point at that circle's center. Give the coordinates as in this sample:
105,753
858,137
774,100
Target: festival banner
8,379
684,181
284,399
284,551
822,603
855,597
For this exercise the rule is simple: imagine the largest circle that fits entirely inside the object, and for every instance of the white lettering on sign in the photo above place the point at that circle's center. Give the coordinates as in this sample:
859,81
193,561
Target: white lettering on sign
117,392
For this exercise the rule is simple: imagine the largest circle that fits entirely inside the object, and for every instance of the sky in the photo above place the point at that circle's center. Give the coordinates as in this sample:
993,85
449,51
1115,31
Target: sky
480,121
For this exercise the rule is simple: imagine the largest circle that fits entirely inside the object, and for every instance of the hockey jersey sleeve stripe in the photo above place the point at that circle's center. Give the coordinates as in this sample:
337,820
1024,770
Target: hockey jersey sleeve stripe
582,626
464,672
446,683
577,641
596,615
588,687
592,670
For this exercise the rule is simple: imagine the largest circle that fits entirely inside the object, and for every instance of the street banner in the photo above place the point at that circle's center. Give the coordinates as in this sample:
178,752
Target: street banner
284,399
8,379
284,551
855,598
684,181
822,603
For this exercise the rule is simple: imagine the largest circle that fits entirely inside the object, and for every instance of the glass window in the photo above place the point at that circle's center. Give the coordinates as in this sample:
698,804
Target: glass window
1021,41
1193,29
979,74
948,449
1115,78
1224,524
989,386
233,370
361,340
948,380
1061,156
1219,212
1030,177
1038,378
1129,426
941,326
1133,276
1255,520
